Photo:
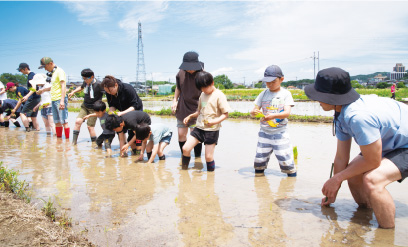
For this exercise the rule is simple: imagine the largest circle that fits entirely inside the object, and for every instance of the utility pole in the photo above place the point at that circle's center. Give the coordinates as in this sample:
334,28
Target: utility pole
140,70
152,85
314,65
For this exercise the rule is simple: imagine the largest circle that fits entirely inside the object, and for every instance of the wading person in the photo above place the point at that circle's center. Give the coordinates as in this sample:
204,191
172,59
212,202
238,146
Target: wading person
93,92
274,105
40,81
20,92
31,99
212,109
6,106
127,123
107,135
59,99
155,138
379,127
186,97
3,96
123,97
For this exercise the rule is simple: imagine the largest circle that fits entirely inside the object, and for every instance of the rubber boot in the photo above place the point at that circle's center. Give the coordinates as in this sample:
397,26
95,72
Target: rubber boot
66,130
185,161
149,155
75,135
31,125
181,144
17,124
211,166
93,138
58,130
6,124
197,150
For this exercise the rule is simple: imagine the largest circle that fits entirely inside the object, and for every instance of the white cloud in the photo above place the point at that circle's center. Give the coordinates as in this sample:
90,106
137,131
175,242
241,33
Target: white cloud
221,71
90,12
148,13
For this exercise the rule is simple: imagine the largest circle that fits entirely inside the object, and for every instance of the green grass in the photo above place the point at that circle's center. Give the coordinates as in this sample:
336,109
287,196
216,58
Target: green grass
49,208
239,115
9,182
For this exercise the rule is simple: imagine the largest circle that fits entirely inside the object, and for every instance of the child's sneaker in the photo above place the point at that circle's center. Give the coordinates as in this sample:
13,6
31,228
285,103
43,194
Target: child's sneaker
292,174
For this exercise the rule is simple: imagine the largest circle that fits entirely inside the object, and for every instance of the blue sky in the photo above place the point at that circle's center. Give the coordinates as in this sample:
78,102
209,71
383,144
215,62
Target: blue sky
239,39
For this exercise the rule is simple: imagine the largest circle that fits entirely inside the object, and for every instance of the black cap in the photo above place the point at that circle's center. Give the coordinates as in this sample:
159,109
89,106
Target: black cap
22,66
333,87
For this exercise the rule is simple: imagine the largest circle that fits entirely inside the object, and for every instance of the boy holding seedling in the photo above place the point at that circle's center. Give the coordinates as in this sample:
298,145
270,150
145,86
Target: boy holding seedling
107,136
273,105
212,109
155,138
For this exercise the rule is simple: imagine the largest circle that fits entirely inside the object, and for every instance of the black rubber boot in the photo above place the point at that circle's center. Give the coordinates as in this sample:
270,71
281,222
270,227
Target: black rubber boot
17,124
185,161
197,150
75,134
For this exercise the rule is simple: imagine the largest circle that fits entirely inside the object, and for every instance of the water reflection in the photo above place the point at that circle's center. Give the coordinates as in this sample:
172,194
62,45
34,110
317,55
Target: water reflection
270,228
201,221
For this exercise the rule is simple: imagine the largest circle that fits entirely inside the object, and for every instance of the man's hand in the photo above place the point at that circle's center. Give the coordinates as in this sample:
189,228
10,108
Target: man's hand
140,157
70,95
186,120
330,190
13,111
39,92
62,105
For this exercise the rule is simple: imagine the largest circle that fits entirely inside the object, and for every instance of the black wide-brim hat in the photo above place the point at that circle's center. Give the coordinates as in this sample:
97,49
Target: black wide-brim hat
333,87
190,62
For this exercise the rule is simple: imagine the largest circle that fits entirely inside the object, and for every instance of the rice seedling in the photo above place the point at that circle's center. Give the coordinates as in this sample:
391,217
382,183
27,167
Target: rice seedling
295,152
9,182
49,208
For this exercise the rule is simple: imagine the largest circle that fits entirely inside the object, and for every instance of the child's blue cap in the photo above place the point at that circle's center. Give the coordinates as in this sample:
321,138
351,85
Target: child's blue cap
271,73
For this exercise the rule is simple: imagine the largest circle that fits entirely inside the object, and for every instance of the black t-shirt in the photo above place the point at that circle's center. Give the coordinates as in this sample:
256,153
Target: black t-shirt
134,118
30,77
97,93
125,98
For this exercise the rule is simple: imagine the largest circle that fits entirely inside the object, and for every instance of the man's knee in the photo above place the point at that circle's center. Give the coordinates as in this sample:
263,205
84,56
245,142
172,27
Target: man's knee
79,121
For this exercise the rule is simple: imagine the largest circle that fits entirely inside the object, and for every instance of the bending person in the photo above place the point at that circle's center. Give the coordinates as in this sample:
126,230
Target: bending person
378,125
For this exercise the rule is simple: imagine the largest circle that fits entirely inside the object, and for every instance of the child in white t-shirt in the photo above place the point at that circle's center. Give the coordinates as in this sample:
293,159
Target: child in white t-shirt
274,105
40,80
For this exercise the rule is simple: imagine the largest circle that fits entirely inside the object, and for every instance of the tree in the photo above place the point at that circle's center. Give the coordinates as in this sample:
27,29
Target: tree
224,80
219,86
258,85
16,78
173,88
401,85
355,84
382,85
241,86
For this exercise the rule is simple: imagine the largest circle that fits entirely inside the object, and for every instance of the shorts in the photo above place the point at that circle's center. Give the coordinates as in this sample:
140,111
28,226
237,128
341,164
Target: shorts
105,138
167,138
45,112
191,124
208,137
400,159
60,116
29,106
86,111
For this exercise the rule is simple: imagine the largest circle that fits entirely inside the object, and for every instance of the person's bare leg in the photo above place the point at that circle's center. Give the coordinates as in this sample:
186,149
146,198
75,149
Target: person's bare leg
356,187
381,201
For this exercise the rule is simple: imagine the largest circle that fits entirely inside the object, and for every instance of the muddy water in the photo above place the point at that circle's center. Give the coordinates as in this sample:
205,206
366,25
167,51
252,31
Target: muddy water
117,202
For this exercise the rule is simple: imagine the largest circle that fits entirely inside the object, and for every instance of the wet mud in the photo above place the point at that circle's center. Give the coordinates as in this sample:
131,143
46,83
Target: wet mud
119,202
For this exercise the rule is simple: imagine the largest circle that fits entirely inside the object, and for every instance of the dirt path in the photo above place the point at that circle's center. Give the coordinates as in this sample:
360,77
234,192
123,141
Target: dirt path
21,224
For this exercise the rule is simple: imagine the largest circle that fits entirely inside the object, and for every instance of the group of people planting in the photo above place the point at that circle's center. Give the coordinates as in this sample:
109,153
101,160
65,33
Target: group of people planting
377,124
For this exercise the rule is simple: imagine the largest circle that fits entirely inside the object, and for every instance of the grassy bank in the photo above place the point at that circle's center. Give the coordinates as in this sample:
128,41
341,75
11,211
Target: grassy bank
239,115
297,94
10,183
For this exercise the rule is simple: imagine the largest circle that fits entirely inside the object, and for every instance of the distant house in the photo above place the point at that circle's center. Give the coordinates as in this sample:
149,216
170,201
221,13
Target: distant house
379,78
74,84
302,85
